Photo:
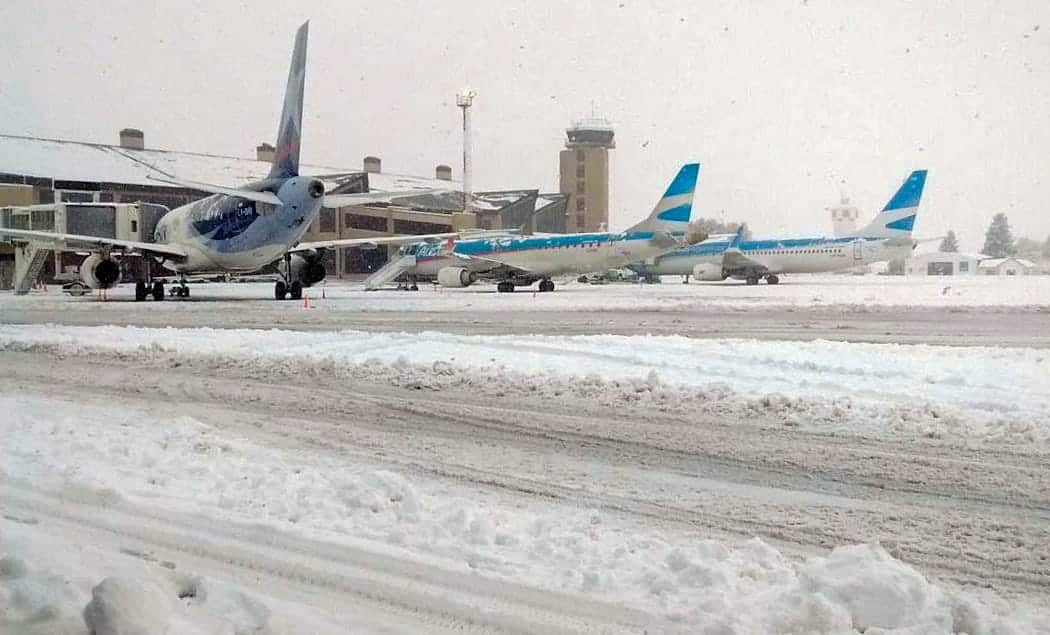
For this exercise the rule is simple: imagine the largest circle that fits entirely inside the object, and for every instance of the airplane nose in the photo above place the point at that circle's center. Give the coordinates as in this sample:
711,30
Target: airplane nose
316,189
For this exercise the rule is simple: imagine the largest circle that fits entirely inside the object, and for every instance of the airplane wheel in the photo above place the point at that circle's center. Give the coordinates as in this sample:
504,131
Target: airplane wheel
141,291
772,280
413,287
184,292
280,290
752,280
546,285
296,290
505,287
158,291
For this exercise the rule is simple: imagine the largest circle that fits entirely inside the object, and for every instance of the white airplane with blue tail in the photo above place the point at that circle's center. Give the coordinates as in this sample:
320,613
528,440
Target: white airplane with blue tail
888,236
520,260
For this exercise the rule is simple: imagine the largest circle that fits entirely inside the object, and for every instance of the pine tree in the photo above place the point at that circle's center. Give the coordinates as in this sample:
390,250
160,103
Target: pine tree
999,241
950,242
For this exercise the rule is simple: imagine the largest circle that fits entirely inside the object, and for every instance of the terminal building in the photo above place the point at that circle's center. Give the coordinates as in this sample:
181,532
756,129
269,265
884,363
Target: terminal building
37,171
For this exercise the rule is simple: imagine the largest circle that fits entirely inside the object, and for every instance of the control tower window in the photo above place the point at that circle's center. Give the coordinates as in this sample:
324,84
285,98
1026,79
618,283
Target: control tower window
579,187
579,155
580,204
579,171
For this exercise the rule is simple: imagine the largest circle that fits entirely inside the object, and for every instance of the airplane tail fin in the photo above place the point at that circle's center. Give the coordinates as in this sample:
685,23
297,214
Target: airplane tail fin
674,209
897,219
289,132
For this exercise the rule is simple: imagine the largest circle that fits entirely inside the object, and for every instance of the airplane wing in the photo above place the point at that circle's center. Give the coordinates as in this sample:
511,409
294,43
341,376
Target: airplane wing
734,260
259,197
75,242
372,243
343,200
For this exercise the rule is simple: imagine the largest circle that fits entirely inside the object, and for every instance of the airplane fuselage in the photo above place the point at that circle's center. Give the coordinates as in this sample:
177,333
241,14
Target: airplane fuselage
224,233
795,255
542,256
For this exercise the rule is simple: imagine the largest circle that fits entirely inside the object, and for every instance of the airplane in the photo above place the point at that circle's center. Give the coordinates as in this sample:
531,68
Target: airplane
888,236
520,260
236,230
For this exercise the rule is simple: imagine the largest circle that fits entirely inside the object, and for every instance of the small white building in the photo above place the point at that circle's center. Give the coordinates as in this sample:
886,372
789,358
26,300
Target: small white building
1006,267
942,263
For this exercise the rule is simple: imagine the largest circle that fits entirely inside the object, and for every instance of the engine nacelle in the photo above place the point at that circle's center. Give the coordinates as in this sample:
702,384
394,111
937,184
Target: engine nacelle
99,272
456,277
709,273
308,268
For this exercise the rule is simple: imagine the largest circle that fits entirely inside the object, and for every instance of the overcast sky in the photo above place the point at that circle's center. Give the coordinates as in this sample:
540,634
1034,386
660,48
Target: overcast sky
784,103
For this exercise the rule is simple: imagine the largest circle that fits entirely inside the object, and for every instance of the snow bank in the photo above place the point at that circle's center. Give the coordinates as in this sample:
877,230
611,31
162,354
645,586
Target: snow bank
181,464
47,588
995,394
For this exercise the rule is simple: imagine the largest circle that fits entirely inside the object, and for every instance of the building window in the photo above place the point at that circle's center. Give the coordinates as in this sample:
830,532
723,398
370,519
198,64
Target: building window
43,219
581,204
579,171
363,221
579,155
418,227
579,221
327,220
579,187
134,226
963,266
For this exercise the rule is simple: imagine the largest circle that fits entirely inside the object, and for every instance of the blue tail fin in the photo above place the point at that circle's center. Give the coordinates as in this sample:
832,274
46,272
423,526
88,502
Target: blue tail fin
675,207
897,219
289,132
737,238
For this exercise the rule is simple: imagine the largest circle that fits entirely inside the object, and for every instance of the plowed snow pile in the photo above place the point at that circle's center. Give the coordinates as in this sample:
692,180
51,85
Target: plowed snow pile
971,394
123,458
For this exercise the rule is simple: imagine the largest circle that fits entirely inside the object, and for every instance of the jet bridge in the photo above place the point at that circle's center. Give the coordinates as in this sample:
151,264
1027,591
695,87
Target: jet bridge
124,221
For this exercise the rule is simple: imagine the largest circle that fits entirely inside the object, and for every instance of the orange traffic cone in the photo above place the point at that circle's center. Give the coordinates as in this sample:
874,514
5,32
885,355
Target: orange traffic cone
306,300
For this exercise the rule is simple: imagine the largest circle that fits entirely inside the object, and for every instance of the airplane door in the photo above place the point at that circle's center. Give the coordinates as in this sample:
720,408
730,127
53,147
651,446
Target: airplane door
858,250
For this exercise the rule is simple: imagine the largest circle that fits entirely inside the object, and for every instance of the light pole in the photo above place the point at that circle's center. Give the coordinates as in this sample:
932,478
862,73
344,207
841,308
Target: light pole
464,99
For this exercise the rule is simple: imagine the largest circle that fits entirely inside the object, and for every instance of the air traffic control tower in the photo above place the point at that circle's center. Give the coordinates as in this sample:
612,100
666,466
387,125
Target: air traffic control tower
584,170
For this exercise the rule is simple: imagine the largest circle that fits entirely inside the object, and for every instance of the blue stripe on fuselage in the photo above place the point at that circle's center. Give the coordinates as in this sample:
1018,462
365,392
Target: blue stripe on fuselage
715,248
482,246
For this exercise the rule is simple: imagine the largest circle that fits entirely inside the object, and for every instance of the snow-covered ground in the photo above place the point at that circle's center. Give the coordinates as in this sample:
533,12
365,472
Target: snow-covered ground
971,394
154,506
102,462
793,291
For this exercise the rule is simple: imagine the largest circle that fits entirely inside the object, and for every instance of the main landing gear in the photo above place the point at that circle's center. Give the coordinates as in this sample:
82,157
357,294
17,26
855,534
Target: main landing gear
145,290
181,291
546,285
505,287
770,279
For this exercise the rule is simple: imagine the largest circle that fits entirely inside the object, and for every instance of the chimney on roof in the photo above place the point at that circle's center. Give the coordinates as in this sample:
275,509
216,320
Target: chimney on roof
132,139
373,165
265,152
443,172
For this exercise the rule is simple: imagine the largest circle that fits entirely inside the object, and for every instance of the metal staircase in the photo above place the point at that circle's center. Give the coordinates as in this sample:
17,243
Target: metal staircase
389,272
29,261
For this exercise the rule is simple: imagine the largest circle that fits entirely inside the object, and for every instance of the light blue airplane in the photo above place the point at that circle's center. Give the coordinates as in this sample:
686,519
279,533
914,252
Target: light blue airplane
888,236
235,229
520,260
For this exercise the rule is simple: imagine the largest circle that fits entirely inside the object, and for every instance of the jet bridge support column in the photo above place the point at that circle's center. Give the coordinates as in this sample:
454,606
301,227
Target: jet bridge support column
29,261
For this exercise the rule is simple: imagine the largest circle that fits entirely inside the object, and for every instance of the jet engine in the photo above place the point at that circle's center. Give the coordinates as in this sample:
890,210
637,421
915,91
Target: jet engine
100,272
456,277
709,273
308,267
